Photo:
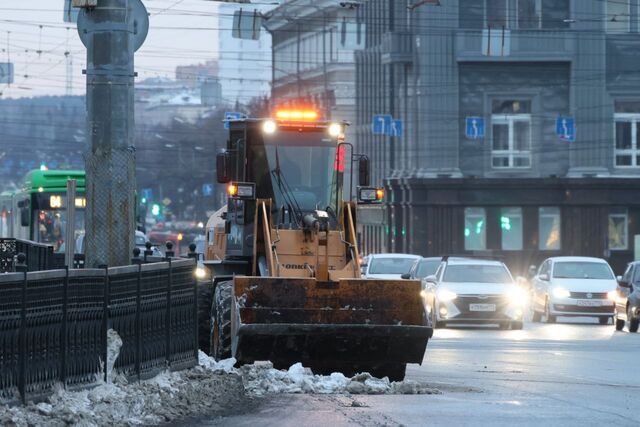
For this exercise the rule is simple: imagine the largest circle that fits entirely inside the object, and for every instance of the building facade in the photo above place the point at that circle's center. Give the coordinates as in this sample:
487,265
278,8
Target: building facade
244,65
313,64
520,126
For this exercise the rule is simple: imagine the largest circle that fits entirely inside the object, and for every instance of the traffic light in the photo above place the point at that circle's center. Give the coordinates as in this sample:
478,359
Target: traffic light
155,209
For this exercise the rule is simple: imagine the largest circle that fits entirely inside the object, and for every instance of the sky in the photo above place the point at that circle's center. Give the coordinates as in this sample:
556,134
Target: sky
181,32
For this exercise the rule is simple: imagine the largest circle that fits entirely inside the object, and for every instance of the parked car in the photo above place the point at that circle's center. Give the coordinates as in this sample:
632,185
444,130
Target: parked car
573,286
472,291
627,299
389,266
140,241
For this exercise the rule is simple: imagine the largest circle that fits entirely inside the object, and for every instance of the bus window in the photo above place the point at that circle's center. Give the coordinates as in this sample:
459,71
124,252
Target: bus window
50,226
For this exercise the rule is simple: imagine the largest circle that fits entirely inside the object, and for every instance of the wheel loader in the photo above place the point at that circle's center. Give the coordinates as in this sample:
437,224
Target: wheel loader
284,257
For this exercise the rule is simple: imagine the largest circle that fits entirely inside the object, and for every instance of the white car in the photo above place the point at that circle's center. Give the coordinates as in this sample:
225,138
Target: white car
389,266
574,286
467,290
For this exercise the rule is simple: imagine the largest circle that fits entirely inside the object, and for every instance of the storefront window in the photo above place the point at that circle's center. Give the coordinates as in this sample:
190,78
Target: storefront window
511,226
549,229
618,230
475,229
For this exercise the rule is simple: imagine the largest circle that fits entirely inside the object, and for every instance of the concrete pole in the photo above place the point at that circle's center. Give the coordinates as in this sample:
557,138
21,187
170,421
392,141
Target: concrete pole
111,32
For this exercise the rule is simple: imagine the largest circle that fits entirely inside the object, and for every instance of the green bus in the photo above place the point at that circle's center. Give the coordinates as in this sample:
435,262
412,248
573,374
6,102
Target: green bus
37,210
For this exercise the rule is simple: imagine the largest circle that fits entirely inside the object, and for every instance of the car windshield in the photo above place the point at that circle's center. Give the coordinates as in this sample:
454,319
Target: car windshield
391,265
427,268
475,273
581,270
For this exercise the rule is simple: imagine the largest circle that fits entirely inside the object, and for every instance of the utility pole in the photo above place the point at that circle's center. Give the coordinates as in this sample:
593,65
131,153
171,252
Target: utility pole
111,30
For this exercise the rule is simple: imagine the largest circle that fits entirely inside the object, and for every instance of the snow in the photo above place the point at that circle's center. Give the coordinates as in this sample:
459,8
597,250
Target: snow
211,387
261,379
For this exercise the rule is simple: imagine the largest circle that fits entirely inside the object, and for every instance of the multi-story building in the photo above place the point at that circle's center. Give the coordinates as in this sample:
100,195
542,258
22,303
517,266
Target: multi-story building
244,63
491,94
313,64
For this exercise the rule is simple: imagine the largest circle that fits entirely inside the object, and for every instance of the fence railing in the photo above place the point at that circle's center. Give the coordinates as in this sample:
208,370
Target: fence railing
38,256
53,325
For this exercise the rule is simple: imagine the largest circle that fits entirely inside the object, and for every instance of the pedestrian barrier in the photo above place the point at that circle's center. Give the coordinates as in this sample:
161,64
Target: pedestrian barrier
38,256
53,325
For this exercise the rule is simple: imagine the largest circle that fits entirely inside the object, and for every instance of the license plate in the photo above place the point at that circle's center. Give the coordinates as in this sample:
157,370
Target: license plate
589,303
482,307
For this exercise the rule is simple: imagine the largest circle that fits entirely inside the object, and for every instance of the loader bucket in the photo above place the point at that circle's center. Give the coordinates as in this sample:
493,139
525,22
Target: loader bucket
348,326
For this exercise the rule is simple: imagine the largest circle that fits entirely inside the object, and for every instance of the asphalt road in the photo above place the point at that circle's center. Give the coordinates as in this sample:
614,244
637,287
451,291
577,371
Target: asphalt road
564,374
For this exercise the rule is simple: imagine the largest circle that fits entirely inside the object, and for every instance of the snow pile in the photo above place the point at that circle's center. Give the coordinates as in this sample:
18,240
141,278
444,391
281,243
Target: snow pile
261,379
168,396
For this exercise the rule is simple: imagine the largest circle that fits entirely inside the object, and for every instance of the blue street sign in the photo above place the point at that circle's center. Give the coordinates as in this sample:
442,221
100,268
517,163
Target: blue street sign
231,115
475,127
566,128
207,189
147,193
381,124
396,128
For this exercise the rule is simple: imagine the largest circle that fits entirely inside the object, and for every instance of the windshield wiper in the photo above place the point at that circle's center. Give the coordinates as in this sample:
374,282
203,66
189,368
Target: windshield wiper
287,192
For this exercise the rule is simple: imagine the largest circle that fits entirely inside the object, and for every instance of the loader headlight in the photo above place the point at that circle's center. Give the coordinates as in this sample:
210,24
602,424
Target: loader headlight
445,295
517,296
269,127
560,293
201,273
335,130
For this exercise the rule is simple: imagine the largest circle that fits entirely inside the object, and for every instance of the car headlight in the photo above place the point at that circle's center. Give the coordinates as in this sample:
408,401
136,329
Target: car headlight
561,293
445,295
201,273
517,296
612,295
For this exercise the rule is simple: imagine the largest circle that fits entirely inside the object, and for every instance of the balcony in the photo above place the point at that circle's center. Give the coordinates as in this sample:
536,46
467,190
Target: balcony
514,45
397,47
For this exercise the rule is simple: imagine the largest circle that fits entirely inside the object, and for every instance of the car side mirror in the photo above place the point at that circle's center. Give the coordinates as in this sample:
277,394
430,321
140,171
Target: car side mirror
406,276
363,171
431,279
222,168
544,277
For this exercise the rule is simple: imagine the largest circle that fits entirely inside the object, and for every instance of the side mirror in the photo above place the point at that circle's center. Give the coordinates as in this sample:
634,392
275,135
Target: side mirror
25,221
619,278
363,171
431,279
222,168
622,283
406,276
544,277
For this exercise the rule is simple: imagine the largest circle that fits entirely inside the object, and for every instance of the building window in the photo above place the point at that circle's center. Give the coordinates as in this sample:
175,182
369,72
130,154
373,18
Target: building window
618,16
549,229
618,230
475,229
626,150
518,14
511,134
511,226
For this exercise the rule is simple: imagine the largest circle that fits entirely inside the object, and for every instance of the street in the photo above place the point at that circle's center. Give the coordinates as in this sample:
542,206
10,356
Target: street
572,373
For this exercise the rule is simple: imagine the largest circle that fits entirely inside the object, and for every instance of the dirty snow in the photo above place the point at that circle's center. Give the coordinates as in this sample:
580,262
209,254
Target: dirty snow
212,387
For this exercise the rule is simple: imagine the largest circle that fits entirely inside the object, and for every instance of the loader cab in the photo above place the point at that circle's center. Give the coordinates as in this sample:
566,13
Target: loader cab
294,160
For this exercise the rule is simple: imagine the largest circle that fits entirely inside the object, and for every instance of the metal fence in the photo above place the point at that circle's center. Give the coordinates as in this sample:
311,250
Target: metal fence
53,325
38,256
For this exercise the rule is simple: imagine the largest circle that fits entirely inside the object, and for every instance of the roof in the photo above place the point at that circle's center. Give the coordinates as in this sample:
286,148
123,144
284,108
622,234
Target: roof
52,180
577,259
373,256
473,261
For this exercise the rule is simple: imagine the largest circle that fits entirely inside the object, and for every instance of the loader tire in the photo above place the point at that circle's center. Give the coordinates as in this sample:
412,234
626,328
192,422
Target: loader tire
205,297
221,321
